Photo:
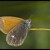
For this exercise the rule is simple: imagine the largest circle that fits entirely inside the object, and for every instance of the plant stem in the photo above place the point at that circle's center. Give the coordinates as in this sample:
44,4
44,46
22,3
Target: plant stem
40,29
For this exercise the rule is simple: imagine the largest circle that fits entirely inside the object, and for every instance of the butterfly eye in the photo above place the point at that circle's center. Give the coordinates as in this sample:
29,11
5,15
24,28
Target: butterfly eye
17,35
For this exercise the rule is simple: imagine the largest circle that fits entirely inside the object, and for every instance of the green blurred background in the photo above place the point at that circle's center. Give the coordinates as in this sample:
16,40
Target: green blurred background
40,11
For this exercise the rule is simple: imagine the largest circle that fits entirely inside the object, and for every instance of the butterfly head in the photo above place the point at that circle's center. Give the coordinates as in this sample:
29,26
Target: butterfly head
28,23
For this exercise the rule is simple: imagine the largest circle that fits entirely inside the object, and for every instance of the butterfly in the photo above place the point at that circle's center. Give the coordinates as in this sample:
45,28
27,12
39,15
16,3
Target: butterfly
15,28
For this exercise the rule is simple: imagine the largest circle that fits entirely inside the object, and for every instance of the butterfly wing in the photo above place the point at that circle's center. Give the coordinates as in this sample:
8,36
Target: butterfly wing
17,35
8,22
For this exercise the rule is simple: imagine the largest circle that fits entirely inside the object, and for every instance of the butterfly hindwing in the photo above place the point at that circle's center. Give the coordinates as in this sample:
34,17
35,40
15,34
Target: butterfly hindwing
17,35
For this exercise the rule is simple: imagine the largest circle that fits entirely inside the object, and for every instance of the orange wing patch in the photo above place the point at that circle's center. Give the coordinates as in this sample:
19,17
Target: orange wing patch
9,22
